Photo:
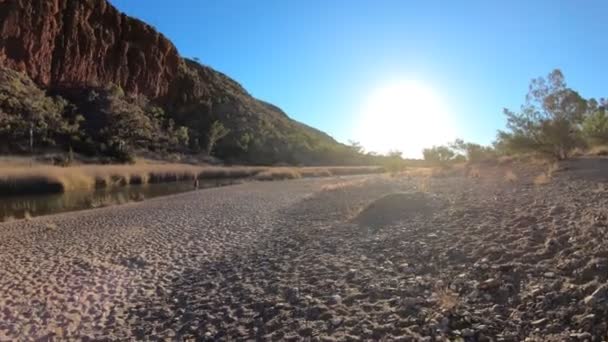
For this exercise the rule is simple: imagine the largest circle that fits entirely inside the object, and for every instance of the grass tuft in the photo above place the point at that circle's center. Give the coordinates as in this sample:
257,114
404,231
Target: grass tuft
510,176
542,179
447,299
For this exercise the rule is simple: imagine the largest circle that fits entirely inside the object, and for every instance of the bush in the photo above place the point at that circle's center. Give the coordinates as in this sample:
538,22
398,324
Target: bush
25,109
438,154
548,122
595,124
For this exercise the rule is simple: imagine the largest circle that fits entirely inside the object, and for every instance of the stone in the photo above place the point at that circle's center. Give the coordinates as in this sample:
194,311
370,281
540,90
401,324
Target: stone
540,321
467,332
556,209
335,299
489,284
292,295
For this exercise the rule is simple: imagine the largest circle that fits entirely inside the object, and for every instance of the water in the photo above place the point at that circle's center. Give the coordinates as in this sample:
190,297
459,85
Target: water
18,207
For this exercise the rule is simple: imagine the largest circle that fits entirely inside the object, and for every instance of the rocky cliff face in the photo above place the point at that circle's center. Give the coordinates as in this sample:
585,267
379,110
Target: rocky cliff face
80,50
84,43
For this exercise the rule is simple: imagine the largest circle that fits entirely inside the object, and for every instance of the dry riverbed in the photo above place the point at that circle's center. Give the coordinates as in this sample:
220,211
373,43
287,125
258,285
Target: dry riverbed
501,255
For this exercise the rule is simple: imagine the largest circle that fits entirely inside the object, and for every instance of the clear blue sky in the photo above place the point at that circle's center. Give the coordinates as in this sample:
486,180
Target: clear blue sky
318,59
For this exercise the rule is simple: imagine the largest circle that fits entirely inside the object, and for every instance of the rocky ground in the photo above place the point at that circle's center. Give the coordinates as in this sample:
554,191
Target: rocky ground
498,255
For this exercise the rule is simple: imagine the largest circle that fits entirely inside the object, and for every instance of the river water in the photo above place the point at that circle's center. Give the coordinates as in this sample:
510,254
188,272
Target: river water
18,207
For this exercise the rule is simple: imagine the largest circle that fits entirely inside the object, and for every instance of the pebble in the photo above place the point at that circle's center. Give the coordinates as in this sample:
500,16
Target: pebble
467,332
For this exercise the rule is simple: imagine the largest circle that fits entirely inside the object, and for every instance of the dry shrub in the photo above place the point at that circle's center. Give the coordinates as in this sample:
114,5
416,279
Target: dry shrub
50,227
424,184
542,179
278,174
552,167
578,152
600,150
510,176
447,299
315,172
474,172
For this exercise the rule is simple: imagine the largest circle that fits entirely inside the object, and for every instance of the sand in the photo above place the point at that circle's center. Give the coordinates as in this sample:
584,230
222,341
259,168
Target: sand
487,260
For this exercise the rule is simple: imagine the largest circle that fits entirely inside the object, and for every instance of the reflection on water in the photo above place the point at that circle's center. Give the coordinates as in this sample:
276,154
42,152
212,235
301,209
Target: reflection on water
16,207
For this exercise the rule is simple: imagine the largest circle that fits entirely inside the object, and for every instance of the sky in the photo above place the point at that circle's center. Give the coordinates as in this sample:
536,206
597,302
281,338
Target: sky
365,70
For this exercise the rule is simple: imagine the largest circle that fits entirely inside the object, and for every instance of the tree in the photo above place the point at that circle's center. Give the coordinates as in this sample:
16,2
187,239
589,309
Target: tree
216,133
595,124
182,135
548,122
355,146
438,154
473,152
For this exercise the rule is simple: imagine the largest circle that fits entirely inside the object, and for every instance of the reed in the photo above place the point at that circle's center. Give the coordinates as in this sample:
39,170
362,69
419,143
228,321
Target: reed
46,179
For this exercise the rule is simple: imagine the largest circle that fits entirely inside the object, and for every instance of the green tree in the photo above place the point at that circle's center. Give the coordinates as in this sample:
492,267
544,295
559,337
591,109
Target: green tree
549,121
217,131
595,124
438,154
183,136
473,152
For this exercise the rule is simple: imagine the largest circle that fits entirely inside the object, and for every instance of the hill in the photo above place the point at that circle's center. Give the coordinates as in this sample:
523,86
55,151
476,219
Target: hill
84,76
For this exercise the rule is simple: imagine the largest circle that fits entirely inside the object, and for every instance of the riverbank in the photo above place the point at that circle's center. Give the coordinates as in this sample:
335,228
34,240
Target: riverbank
493,256
46,179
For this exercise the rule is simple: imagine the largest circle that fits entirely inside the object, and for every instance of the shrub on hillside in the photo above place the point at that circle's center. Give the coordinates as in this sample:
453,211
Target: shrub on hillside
25,109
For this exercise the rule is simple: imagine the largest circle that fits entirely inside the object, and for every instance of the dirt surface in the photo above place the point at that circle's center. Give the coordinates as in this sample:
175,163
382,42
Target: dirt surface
490,258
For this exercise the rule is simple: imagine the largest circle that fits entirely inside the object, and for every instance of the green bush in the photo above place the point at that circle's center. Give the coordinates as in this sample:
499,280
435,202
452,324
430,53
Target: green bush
549,121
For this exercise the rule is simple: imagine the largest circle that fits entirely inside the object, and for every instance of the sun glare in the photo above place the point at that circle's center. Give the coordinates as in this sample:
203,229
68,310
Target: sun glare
404,116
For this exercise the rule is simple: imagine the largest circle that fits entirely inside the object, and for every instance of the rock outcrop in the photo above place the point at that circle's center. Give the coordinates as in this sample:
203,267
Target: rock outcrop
85,43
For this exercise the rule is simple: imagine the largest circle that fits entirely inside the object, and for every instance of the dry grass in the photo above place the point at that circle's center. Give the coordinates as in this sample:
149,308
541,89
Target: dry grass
50,227
600,150
447,299
542,179
278,174
510,176
424,185
474,172
17,179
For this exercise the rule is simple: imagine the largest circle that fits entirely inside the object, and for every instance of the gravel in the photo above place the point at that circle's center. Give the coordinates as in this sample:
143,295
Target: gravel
487,260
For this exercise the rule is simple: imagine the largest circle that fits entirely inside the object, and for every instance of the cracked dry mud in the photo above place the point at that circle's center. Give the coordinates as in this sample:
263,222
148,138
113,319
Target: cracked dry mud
487,260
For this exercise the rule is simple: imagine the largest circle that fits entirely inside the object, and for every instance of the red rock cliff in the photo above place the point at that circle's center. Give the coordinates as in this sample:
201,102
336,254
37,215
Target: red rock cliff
79,43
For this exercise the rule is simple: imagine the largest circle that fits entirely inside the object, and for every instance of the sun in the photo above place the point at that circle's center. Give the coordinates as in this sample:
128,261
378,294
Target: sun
406,116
